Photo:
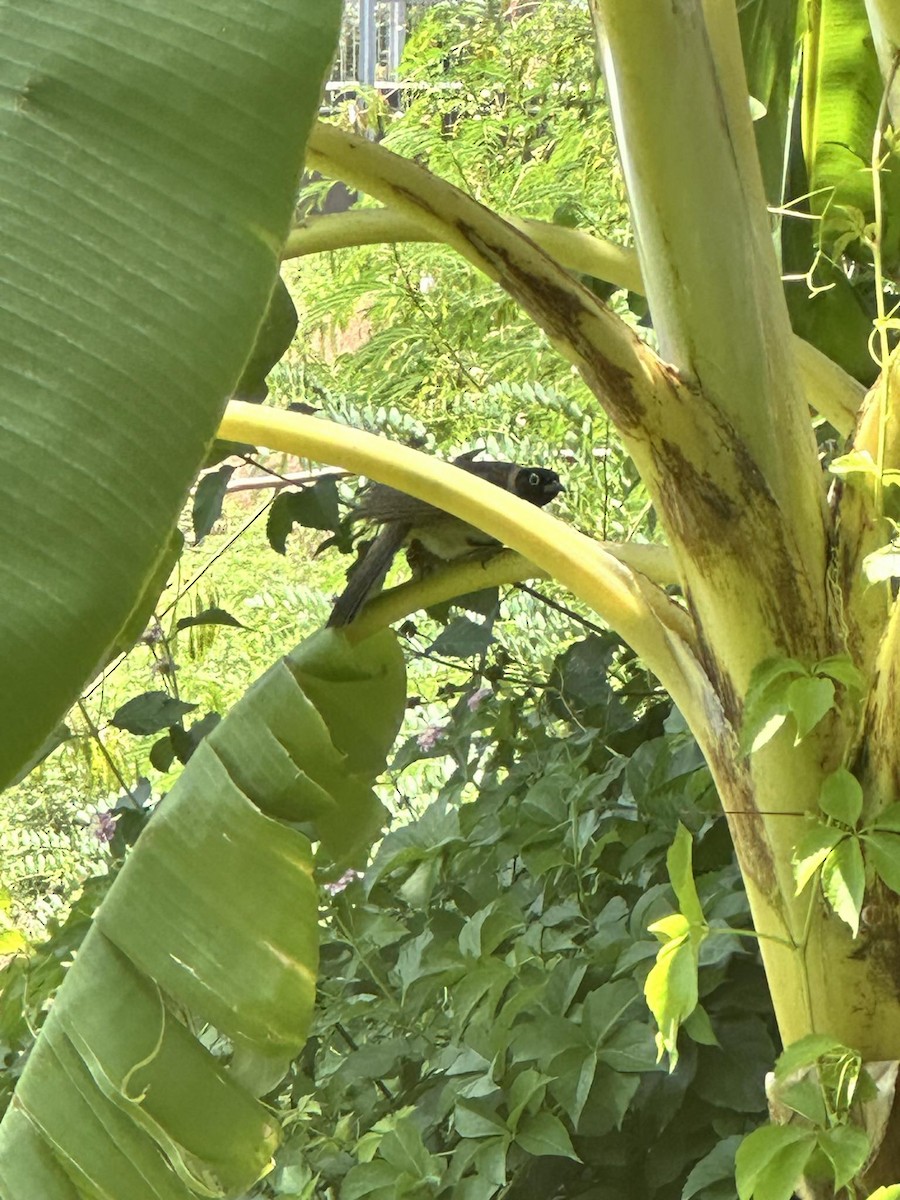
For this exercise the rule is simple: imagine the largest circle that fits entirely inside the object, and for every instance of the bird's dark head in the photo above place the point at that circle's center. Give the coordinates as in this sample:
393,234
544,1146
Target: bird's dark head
537,485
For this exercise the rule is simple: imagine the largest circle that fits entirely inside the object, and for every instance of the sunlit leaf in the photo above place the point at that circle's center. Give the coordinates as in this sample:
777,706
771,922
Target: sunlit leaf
882,564
883,852
857,462
681,875
770,1161
841,668
809,700
841,797
811,851
844,881
847,1148
671,993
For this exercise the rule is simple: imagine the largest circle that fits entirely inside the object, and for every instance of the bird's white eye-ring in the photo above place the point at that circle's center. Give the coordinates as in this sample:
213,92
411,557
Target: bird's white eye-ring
534,479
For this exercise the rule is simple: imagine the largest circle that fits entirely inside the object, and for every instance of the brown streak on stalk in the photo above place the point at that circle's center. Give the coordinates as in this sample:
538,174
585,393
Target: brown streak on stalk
721,681
731,771
882,766
709,519
880,940
695,485
615,385
886,1166
560,311
748,831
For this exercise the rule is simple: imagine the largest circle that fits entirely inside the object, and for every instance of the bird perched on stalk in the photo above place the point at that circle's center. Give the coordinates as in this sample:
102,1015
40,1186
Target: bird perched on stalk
405,520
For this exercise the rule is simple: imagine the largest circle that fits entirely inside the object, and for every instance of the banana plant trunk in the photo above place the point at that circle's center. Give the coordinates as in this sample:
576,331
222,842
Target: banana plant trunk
770,560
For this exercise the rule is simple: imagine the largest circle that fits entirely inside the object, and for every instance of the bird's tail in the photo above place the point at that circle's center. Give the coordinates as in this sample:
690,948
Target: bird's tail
369,574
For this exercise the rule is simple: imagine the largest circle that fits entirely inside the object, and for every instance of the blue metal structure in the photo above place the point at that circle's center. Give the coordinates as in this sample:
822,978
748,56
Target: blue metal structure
372,39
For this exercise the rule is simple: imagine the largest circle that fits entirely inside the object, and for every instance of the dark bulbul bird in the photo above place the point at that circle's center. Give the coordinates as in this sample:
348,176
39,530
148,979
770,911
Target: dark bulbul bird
404,520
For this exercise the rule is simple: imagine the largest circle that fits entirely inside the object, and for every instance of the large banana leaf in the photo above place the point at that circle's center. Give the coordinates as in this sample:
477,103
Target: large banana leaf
836,108
211,925
149,152
769,44
842,99
832,318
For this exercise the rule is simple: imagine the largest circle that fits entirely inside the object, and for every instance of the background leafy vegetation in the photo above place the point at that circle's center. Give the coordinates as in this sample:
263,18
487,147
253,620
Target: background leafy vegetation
511,112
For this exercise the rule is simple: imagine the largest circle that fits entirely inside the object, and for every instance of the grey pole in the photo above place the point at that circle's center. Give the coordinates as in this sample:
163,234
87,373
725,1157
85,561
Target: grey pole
367,42
397,36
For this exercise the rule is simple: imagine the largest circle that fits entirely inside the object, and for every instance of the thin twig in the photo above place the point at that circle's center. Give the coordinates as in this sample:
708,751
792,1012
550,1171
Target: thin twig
95,734
561,608
257,483
243,529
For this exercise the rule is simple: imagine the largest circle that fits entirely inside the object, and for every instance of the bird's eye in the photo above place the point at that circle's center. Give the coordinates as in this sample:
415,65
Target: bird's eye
534,480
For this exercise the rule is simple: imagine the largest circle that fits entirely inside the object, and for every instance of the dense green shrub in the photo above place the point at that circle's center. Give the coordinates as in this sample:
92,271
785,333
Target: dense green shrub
480,1027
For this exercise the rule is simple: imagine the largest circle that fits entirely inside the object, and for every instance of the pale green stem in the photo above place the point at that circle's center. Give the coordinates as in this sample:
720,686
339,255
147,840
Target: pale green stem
458,579
678,96
828,388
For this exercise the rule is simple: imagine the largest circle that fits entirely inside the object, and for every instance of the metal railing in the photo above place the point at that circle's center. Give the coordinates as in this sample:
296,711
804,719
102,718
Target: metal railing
371,45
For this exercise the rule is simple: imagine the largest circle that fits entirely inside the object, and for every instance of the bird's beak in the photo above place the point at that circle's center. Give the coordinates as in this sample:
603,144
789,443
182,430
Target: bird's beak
555,488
